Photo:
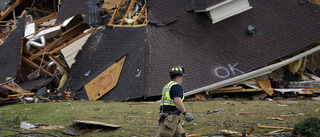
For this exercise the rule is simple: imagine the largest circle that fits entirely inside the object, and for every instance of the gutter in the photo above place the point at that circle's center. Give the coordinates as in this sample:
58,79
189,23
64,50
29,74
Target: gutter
252,74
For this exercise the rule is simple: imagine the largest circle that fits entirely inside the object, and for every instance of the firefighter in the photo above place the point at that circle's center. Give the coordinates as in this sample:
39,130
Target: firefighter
171,106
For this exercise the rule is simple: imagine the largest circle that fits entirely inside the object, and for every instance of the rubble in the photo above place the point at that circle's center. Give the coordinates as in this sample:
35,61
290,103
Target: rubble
43,52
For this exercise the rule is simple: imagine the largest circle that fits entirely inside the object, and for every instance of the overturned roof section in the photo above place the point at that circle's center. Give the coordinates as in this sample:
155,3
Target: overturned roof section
106,46
210,53
216,52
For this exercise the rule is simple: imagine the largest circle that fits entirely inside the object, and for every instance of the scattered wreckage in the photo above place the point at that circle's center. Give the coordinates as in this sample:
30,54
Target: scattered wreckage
48,50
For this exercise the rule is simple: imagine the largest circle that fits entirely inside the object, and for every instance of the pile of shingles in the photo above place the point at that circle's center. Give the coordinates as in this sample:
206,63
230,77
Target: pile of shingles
47,48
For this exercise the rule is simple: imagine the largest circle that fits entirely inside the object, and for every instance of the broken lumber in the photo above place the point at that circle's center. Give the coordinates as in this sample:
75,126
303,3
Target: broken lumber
23,94
194,135
46,18
35,66
249,113
17,111
43,11
229,132
274,118
266,86
272,127
10,9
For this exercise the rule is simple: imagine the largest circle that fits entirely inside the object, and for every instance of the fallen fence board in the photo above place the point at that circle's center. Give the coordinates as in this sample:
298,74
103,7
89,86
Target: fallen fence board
105,81
272,127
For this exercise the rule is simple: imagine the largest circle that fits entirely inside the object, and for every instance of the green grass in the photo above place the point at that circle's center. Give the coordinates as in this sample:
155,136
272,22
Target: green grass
139,120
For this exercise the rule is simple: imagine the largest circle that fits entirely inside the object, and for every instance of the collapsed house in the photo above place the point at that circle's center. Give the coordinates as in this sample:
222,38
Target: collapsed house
122,50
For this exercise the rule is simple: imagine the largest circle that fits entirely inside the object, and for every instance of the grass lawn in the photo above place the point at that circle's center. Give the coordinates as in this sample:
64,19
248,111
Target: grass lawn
140,119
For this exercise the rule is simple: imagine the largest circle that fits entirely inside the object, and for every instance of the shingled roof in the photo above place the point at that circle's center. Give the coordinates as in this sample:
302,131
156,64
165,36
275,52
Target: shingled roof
11,51
209,52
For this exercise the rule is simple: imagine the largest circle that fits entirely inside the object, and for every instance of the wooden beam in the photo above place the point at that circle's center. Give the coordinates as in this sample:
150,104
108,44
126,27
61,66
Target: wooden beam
30,54
46,18
54,6
248,82
128,11
17,111
114,14
35,66
249,113
43,11
24,94
12,89
71,29
71,41
312,88
10,9
3,93
59,41
272,127
140,15
304,64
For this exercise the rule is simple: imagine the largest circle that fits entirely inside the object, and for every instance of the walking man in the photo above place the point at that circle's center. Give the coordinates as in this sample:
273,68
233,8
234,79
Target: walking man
172,106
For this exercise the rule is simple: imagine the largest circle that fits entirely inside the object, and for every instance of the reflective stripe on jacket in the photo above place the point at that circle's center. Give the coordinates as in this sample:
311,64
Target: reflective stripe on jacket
166,99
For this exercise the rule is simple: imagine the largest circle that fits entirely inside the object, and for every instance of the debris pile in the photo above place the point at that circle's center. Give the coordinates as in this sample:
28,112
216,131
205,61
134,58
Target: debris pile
40,73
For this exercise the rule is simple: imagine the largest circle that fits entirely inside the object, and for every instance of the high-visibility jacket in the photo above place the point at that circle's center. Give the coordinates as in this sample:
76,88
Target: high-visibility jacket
166,99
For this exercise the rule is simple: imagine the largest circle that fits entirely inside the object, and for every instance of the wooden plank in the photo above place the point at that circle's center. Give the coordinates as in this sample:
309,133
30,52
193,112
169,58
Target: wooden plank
3,93
5,109
306,93
43,11
194,135
46,18
248,82
312,88
234,133
266,86
249,113
128,11
110,4
30,54
17,111
304,64
35,66
105,81
17,95
146,18
274,118
235,91
140,15
115,13
272,127
11,88
229,88
10,9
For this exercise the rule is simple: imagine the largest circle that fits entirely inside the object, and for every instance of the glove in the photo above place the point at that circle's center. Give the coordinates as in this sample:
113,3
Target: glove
188,117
